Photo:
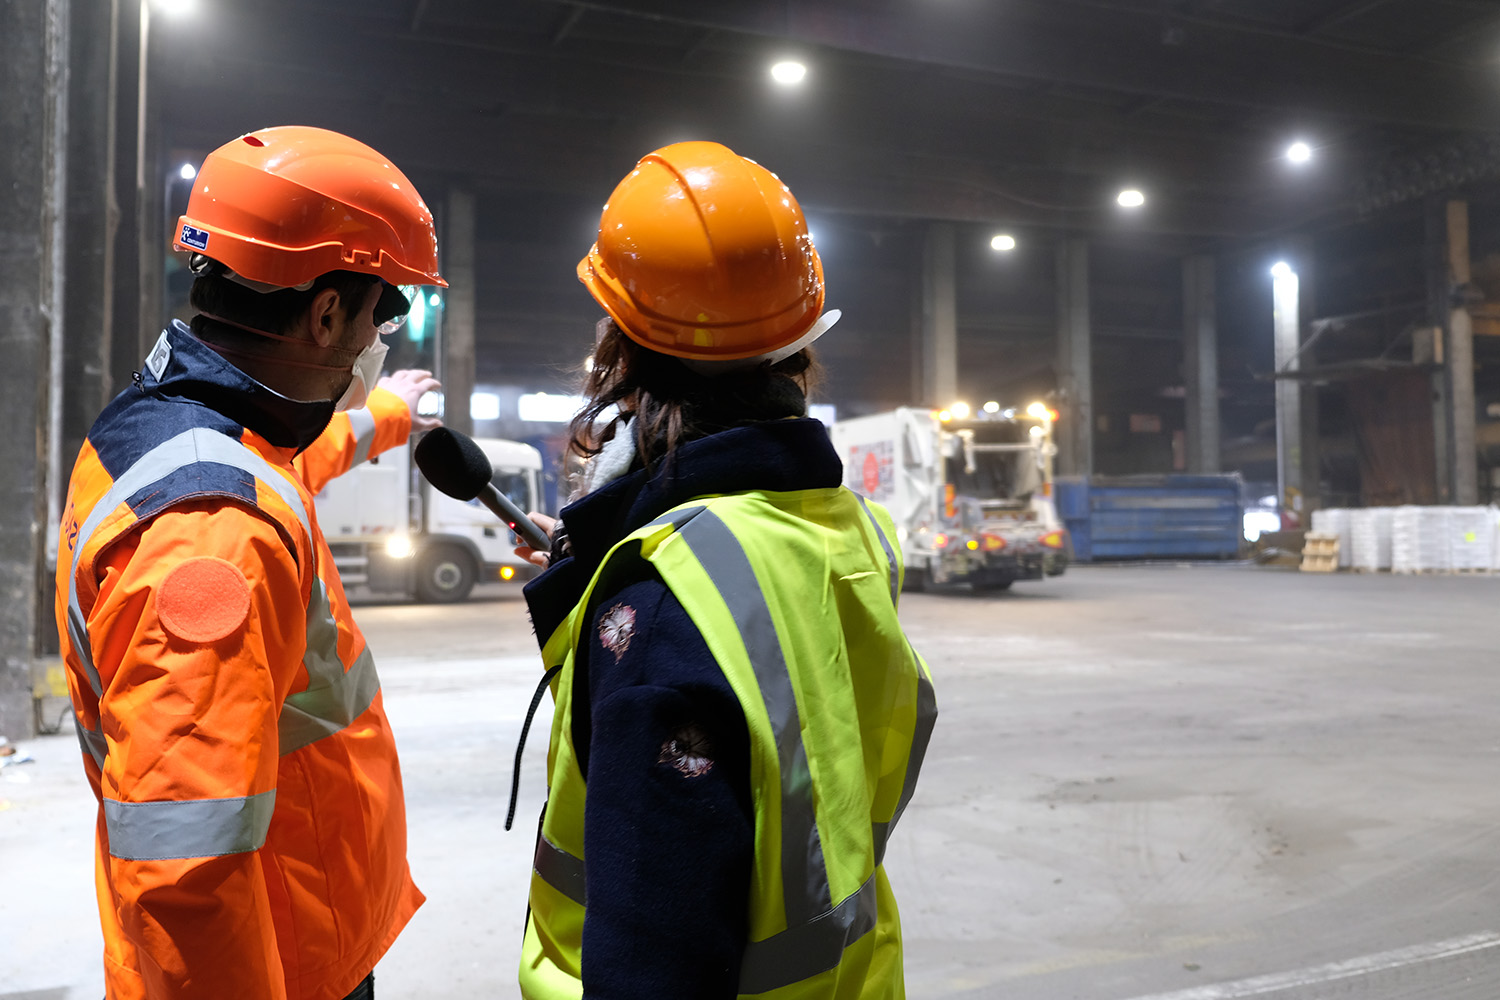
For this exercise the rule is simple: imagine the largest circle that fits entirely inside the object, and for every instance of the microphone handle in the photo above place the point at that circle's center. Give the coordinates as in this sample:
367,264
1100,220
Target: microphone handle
514,517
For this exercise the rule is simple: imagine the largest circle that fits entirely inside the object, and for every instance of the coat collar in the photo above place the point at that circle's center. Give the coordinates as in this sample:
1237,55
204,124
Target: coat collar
777,456
180,365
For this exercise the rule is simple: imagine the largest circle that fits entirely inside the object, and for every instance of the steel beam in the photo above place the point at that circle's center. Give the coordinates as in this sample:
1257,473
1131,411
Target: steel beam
457,344
1200,350
1075,380
939,316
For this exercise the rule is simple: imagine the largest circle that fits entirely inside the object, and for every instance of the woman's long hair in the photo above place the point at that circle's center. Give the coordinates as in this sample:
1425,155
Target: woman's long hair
671,404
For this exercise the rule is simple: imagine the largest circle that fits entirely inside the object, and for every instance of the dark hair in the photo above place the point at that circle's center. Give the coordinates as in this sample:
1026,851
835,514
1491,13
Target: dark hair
672,404
273,312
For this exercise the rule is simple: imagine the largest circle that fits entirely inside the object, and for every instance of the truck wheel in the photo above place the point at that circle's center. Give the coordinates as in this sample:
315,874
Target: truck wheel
915,580
445,573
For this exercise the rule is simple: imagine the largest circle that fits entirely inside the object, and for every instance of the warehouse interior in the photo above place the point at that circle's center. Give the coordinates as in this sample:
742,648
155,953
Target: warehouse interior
1253,237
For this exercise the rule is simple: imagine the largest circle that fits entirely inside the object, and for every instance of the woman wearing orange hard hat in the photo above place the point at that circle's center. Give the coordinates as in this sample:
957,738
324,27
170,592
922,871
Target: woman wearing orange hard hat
251,840
739,720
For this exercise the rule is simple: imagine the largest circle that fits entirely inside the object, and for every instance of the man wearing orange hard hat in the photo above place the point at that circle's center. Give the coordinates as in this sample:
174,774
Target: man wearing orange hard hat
251,840
739,720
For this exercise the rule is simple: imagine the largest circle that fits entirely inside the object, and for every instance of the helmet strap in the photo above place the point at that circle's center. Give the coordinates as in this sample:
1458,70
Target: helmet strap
272,336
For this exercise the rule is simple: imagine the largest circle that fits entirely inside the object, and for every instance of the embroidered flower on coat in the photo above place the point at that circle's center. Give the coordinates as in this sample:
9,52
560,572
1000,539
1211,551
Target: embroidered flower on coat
616,626
689,750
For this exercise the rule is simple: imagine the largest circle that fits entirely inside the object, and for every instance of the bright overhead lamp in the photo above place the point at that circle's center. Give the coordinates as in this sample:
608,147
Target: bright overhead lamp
174,8
789,72
1281,269
1004,243
187,171
992,407
1131,198
960,410
1299,153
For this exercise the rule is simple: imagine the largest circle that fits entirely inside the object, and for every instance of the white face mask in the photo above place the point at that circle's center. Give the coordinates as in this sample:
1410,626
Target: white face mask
366,373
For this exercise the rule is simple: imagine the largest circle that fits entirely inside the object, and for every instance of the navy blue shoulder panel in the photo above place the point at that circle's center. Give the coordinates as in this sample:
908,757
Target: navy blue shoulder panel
136,421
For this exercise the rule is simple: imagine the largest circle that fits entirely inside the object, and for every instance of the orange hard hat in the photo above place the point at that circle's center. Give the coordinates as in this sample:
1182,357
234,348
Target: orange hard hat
281,206
705,255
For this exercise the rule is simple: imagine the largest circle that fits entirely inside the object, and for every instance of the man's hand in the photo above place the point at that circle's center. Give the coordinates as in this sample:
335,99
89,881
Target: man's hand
411,384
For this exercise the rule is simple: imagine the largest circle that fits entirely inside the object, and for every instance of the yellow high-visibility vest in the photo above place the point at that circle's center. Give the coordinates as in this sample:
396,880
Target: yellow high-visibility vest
795,595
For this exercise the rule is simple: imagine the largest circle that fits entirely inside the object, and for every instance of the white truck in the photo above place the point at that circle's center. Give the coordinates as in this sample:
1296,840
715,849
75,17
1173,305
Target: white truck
971,496
390,531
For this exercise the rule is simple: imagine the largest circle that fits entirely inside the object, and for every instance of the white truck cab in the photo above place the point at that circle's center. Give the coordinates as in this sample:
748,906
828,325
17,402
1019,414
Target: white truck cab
391,532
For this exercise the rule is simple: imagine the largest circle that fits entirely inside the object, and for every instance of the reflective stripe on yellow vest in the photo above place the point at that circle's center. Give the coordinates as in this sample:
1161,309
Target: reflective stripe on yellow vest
823,921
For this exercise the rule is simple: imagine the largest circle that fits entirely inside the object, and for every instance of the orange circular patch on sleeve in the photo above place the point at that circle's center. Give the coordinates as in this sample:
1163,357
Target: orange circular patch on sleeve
203,600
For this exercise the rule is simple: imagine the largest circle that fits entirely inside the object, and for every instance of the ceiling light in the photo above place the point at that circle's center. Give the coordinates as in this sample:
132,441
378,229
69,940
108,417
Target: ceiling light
1003,243
992,407
1281,269
187,172
1131,198
173,8
1299,152
788,72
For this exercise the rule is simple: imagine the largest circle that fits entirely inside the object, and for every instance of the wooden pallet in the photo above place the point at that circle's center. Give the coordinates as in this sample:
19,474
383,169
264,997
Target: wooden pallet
1320,553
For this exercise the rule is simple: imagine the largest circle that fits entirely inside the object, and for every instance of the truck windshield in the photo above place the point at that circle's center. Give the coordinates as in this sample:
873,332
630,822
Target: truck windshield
515,484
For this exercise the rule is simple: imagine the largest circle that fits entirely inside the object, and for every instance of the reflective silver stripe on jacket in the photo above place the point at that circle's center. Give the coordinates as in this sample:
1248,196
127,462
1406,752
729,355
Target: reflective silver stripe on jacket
926,710
196,828
334,697
799,953
561,870
362,423
803,874
890,553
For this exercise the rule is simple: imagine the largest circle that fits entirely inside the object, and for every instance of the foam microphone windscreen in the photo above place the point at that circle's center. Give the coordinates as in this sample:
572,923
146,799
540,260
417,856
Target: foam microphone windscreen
453,463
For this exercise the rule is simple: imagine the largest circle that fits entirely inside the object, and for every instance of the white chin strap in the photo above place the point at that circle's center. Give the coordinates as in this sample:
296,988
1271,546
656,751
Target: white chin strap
823,325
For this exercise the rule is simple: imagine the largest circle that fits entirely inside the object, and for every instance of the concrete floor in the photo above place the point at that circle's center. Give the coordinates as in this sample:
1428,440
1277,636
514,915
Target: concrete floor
1147,783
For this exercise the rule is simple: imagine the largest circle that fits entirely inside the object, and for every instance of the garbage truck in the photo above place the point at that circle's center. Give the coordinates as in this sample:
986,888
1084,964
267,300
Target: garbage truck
971,494
392,533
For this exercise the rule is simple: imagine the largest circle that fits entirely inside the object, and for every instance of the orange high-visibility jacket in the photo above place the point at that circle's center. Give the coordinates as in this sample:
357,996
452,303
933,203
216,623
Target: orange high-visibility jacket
251,832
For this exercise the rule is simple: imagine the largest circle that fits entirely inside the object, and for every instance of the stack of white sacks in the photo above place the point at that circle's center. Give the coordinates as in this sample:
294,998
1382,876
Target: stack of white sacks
1415,539
1419,540
1370,538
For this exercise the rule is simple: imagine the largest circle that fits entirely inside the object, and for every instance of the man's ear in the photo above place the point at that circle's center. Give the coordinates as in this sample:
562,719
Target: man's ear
321,317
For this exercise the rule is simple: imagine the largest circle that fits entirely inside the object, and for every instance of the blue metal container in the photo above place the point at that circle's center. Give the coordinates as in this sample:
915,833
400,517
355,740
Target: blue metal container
1153,517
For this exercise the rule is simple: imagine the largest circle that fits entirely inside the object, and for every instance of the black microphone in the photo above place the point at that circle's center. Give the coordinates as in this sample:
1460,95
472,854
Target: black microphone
455,465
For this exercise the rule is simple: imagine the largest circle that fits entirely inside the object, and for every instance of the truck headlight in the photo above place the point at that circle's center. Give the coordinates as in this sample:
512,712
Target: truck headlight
398,546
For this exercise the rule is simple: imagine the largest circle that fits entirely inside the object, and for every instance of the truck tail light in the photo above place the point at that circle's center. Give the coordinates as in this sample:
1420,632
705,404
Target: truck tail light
993,543
940,541
1055,539
507,572
972,545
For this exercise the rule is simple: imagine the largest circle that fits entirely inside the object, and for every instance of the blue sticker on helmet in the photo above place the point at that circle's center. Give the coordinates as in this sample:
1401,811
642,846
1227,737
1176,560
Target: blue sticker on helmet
195,238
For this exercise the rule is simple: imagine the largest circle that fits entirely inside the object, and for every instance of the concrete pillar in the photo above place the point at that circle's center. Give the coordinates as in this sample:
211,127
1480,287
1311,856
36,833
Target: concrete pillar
1439,316
153,245
1200,363
33,68
91,224
457,347
1284,295
126,351
1459,361
1310,437
1075,378
939,316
